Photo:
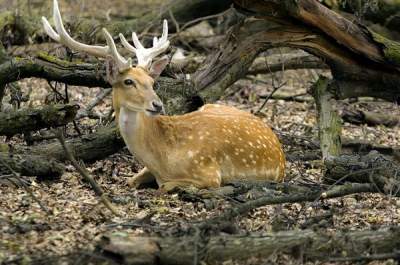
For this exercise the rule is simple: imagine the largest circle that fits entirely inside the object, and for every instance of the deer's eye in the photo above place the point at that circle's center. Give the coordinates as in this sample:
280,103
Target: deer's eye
129,82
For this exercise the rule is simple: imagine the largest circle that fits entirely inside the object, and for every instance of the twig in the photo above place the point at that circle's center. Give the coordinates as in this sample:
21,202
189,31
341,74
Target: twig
174,20
204,18
270,96
84,173
26,187
275,87
88,111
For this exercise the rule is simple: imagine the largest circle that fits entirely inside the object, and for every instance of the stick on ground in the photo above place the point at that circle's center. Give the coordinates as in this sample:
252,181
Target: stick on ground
97,189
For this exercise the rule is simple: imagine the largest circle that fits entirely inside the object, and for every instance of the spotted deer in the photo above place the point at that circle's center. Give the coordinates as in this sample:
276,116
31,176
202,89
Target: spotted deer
205,148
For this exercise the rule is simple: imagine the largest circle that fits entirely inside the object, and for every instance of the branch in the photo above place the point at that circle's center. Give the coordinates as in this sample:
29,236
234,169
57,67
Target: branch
53,69
336,191
85,174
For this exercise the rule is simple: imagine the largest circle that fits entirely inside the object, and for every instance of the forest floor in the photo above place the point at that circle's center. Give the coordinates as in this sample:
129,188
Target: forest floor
77,220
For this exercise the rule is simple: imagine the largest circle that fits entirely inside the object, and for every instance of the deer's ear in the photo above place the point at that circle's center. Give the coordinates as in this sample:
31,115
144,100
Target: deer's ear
158,66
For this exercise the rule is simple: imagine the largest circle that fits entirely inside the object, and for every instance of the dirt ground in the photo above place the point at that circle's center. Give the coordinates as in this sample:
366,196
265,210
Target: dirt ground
77,221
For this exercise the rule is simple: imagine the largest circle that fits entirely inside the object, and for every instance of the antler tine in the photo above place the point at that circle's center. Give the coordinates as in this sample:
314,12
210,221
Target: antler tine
61,35
146,55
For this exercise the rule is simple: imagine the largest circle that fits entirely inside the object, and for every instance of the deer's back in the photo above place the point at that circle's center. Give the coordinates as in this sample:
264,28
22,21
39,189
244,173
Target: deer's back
235,144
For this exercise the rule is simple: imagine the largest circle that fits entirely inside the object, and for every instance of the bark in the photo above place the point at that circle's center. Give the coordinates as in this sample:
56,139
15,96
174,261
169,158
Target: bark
27,28
229,63
305,244
329,124
27,120
31,165
370,118
372,168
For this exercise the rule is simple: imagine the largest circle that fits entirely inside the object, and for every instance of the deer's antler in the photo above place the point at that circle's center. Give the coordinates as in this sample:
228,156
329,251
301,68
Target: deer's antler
60,35
146,55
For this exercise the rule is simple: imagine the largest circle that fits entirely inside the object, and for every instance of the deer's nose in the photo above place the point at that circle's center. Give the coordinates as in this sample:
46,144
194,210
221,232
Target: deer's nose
158,106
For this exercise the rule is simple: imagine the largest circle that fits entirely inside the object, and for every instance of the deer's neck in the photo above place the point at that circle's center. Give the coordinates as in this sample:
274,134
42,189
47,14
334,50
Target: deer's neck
144,135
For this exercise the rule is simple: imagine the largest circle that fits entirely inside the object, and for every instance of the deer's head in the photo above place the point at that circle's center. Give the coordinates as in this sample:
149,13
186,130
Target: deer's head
132,86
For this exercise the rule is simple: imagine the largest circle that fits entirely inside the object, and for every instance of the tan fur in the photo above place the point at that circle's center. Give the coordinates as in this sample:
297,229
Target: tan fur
205,148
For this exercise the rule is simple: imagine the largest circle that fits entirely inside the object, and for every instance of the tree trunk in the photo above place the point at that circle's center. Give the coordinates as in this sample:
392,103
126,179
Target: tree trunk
329,123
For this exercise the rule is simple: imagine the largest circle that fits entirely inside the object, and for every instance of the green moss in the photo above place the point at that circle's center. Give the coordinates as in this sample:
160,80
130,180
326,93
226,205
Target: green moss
52,59
391,49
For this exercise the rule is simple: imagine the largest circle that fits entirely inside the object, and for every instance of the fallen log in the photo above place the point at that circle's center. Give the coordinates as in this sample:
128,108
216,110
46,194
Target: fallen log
358,146
372,168
91,147
43,160
31,165
370,118
29,119
52,69
308,245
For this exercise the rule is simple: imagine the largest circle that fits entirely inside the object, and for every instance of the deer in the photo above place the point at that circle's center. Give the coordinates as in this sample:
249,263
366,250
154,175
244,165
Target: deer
206,148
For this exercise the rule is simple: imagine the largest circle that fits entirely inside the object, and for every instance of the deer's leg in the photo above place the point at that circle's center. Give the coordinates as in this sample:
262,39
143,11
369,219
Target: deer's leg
201,180
142,177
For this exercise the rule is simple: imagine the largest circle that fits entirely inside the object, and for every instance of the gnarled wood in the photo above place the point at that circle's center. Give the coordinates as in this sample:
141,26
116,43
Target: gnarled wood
362,62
